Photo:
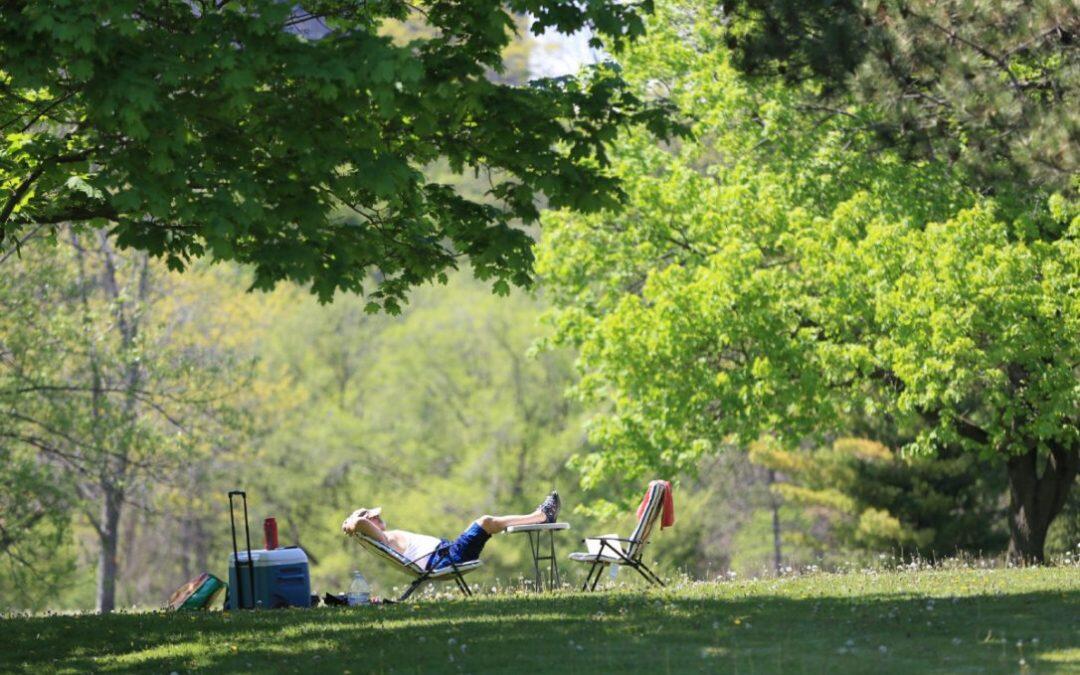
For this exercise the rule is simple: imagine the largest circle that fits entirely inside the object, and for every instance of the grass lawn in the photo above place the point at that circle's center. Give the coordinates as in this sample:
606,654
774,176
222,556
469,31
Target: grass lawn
969,620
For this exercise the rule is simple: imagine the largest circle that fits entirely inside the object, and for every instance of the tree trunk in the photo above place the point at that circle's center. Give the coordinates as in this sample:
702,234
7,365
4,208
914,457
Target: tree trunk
109,536
774,503
1034,500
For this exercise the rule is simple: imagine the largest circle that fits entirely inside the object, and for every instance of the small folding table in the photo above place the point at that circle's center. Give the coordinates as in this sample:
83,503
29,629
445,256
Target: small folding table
535,533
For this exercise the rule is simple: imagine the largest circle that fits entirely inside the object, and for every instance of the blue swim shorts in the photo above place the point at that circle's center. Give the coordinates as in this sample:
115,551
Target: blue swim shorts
465,548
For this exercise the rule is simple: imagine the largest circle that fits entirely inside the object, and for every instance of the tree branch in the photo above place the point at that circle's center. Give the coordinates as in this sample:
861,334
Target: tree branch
76,214
20,191
953,35
17,248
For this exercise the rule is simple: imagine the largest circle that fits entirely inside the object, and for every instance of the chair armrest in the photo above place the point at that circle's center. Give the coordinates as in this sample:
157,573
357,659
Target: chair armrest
619,539
614,544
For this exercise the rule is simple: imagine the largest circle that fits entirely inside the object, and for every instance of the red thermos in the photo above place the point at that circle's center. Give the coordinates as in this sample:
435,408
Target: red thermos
270,532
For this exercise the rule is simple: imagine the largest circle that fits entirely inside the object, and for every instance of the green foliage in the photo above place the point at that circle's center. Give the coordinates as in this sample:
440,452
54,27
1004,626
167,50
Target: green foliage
876,500
990,85
780,276
1064,535
439,413
34,526
218,129
100,402
439,416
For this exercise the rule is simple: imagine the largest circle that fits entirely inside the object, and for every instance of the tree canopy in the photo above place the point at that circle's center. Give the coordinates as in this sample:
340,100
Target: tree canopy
227,129
783,277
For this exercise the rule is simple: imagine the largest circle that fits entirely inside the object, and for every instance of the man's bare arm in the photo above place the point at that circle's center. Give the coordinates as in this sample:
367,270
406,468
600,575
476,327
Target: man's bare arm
357,522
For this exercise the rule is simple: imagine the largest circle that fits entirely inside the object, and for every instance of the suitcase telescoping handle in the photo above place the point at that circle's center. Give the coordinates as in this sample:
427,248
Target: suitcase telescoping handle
236,554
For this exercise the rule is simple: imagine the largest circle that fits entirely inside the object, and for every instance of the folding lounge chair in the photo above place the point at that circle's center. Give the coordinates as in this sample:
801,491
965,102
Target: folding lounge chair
455,572
608,550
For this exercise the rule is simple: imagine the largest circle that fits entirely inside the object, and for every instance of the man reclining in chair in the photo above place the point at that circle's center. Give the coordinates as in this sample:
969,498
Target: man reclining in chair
432,553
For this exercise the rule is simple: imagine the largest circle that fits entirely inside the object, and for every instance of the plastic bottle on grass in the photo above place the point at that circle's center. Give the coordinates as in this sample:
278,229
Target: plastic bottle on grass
359,591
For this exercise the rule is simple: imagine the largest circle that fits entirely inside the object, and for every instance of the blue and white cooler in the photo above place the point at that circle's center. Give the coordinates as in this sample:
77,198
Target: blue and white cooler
281,575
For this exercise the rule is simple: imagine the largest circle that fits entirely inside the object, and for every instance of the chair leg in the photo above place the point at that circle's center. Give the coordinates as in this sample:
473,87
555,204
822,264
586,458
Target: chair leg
648,574
463,585
588,577
596,579
460,581
412,587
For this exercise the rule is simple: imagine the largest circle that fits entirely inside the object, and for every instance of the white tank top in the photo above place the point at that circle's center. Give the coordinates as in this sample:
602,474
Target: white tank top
419,547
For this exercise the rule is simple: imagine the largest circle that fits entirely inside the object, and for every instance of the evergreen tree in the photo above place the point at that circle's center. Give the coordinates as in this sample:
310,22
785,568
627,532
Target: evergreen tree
875,499
994,86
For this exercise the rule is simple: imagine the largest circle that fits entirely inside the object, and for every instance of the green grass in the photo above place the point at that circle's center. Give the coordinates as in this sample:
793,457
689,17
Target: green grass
905,622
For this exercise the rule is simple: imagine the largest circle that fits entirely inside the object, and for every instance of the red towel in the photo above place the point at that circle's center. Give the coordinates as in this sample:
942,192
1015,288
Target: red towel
667,519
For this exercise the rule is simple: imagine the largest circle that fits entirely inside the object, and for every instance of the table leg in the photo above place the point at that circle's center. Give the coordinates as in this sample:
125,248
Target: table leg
534,548
553,573
535,544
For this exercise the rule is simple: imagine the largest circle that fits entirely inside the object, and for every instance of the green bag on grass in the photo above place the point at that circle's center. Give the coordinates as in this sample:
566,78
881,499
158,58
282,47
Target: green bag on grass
199,593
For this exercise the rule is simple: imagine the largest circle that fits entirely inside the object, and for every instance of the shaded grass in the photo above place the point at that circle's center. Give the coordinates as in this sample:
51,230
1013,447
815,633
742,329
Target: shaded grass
915,621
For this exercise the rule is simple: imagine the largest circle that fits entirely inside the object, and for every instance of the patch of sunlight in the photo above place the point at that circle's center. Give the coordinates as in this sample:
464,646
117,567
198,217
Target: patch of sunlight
290,648
714,652
370,623
1067,655
174,650
193,651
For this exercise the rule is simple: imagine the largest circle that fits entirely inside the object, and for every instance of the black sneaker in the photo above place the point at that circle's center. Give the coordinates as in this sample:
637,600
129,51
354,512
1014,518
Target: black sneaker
550,506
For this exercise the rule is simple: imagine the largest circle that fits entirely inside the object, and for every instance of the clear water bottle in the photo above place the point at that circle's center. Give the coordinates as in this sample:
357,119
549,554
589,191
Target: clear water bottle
359,591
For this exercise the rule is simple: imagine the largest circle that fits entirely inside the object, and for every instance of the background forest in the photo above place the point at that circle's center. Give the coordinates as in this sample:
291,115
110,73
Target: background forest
726,329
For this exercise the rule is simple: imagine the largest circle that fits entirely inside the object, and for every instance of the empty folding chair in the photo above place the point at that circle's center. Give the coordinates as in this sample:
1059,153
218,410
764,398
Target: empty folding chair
612,550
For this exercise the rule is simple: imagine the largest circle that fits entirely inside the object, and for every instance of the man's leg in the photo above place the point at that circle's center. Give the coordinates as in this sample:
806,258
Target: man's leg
547,512
496,524
471,542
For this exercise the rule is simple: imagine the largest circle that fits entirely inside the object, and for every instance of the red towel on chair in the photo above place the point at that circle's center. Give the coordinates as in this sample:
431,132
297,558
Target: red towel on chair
667,518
